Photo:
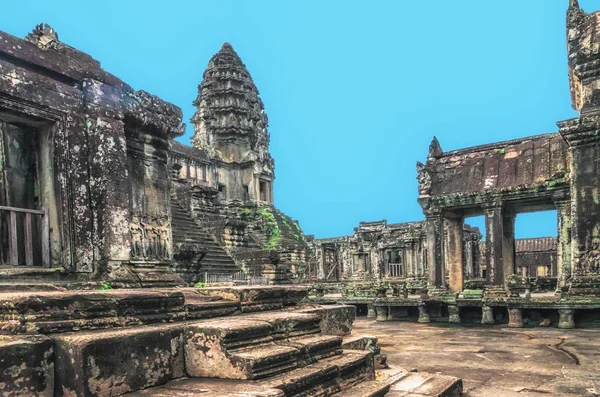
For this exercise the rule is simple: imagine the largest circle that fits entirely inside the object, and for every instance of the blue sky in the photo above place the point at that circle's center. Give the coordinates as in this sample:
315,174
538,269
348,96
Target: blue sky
354,90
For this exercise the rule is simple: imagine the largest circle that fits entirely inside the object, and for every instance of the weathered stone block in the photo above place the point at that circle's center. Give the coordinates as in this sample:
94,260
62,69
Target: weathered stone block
335,319
26,366
261,298
110,363
208,346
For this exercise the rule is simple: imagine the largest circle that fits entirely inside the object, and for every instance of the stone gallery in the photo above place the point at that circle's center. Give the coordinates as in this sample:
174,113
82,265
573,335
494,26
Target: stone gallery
132,264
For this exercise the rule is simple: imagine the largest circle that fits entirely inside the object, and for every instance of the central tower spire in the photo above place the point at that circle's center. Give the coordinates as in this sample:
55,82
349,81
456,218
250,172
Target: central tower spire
230,122
230,125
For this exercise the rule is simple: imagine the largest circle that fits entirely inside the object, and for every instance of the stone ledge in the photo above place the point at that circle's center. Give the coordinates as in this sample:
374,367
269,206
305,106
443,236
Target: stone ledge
26,366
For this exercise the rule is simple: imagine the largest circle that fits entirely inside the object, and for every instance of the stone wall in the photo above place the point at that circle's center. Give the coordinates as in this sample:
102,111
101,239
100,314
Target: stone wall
378,250
103,146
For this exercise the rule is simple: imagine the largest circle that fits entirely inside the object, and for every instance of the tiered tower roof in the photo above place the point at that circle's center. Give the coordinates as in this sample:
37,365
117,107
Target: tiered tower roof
229,109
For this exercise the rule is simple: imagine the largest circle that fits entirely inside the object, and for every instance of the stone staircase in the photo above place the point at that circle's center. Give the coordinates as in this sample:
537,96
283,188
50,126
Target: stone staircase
298,351
185,232
270,354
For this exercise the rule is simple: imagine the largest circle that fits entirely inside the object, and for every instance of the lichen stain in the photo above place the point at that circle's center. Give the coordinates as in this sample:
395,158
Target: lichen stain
105,386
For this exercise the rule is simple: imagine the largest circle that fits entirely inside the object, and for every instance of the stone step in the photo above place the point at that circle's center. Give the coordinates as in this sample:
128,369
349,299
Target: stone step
26,366
325,378
116,361
204,387
210,309
377,387
423,384
290,325
256,346
188,230
265,360
371,388
63,311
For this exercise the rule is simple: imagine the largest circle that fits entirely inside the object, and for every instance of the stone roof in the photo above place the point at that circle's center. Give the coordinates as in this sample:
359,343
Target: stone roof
536,244
228,104
188,151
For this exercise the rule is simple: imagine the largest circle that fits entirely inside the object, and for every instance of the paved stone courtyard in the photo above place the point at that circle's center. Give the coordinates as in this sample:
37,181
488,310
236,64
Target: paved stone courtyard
495,360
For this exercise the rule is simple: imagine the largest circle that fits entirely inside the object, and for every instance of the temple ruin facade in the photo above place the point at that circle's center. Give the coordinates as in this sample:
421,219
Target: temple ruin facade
133,264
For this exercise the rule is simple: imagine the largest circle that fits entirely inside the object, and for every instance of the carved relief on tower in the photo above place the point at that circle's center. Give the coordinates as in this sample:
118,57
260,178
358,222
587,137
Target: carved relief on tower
150,238
230,112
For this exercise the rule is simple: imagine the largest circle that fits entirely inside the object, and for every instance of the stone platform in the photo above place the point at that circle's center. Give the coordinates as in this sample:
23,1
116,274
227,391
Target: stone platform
495,360
548,309
256,340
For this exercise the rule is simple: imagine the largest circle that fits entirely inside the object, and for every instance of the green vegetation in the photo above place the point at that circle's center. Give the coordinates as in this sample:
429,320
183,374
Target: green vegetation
105,287
501,151
199,285
270,228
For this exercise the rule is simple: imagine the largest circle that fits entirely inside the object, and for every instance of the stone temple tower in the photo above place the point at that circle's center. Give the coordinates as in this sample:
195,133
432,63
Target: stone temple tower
583,44
230,125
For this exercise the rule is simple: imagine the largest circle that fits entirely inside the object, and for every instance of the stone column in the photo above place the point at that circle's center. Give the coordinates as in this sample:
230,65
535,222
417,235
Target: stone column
566,319
583,137
494,247
453,314
515,318
423,315
563,254
382,313
469,271
455,253
110,188
487,315
435,249
414,258
371,313
508,245
321,264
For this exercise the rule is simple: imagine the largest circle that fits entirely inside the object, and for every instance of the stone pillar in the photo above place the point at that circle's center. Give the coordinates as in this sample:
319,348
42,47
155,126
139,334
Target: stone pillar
320,264
487,315
435,249
494,247
455,253
382,313
508,246
390,316
414,258
563,257
469,271
583,137
371,313
453,314
515,318
109,180
423,315
566,319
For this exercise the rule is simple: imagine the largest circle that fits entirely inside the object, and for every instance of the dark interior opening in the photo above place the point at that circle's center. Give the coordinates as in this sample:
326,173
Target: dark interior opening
470,315
362,310
587,318
533,317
